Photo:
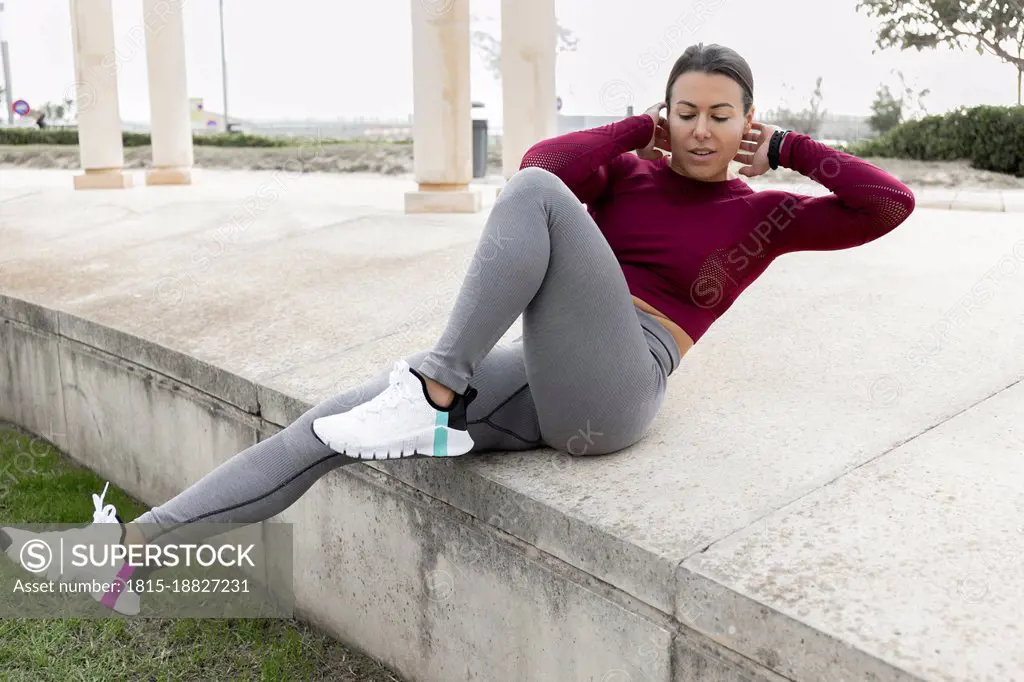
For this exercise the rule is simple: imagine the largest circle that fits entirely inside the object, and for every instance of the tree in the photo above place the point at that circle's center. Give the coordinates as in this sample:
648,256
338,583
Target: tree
57,111
888,111
489,47
993,26
807,121
912,102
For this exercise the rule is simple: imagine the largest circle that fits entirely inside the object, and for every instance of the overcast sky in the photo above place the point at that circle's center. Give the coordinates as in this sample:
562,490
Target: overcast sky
323,59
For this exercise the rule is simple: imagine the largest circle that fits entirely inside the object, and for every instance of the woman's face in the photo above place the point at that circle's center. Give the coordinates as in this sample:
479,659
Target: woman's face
706,124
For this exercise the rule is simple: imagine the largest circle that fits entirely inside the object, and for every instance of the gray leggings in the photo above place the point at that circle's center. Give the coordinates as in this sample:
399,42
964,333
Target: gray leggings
586,377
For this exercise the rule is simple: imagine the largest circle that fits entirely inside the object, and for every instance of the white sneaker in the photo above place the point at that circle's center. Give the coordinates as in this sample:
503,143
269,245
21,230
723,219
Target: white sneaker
106,529
400,422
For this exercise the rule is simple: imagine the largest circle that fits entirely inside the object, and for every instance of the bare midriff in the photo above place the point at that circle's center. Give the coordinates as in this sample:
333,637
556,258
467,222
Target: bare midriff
683,339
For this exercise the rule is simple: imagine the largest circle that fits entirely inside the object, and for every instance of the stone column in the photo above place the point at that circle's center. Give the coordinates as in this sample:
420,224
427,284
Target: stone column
528,44
442,116
100,145
168,93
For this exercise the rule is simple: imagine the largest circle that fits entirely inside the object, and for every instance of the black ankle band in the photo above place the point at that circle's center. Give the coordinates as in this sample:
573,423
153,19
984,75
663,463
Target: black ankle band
423,383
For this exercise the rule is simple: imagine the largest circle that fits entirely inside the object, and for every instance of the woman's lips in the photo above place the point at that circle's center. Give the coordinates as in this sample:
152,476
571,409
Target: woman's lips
702,156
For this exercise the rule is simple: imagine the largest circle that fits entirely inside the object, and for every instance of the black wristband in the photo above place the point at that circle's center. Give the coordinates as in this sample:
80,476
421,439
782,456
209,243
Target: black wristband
774,145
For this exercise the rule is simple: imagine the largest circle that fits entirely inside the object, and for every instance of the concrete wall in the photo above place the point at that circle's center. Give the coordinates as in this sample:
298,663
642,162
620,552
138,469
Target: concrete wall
426,588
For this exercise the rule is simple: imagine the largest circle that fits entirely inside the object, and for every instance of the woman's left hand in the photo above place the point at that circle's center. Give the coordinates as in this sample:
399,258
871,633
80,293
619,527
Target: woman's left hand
753,152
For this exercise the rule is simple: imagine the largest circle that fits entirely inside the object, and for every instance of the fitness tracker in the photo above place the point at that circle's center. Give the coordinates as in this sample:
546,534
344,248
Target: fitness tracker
774,145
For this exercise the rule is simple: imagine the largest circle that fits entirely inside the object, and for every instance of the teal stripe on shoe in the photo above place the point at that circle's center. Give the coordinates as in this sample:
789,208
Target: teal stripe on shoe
441,435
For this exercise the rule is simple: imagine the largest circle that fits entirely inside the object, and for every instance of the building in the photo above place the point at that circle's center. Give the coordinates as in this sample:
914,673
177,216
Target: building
202,119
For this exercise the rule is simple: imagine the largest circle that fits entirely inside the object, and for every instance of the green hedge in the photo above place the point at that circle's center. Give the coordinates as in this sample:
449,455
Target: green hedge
70,136
36,136
991,138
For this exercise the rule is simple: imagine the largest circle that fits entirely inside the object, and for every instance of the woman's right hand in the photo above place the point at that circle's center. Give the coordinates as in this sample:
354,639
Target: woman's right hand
660,139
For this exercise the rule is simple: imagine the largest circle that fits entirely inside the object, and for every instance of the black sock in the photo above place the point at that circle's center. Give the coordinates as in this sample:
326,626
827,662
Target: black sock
5,541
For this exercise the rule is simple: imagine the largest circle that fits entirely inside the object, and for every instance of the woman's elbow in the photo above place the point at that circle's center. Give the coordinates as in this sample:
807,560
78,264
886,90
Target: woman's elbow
537,155
895,207
906,202
909,200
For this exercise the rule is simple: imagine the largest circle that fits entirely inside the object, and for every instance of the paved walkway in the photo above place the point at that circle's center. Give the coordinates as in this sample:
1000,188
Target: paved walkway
974,199
1006,200
832,489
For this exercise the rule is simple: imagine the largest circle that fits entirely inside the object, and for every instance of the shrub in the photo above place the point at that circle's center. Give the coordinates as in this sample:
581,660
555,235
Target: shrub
69,136
239,140
131,139
990,137
38,136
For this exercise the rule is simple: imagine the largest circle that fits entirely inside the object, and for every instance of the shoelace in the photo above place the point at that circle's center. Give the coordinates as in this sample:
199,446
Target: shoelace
398,391
103,514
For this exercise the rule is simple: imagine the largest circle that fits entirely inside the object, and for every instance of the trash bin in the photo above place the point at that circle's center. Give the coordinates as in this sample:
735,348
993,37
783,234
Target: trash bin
480,141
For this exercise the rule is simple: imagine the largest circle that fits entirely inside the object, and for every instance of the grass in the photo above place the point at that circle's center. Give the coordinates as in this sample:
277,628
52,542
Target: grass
39,485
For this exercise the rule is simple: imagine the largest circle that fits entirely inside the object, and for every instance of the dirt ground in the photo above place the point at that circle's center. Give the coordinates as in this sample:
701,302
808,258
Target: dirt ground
391,158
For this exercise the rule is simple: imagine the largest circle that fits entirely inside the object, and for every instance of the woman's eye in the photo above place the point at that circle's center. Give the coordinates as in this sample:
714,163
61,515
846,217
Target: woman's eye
690,117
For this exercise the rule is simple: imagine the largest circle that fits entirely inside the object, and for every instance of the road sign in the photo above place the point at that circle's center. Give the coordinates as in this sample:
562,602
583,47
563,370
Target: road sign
21,107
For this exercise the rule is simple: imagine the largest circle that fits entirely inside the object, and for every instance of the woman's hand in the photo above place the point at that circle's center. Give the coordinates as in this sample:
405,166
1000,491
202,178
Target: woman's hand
660,139
753,152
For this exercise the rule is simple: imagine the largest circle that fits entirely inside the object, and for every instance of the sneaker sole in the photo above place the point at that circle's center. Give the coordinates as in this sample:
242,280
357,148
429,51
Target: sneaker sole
125,605
440,441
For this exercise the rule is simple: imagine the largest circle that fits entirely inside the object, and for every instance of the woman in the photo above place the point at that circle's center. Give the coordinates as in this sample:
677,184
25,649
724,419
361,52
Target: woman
612,296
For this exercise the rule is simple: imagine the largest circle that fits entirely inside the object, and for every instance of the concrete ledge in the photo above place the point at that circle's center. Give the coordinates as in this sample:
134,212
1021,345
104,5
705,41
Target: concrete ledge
647,575
38,317
967,200
199,375
422,585
151,434
279,408
937,197
944,198
755,533
31,392
1013,202
928,549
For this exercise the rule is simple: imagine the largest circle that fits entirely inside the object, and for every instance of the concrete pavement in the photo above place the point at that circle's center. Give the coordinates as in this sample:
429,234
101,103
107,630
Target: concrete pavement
830,492
947,198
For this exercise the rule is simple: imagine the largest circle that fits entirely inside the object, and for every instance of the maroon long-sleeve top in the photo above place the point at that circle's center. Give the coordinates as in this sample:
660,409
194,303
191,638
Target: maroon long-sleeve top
688,247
